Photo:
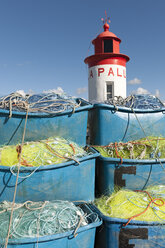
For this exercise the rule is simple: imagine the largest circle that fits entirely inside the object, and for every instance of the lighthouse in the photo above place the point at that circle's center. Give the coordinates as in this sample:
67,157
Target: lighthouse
106,68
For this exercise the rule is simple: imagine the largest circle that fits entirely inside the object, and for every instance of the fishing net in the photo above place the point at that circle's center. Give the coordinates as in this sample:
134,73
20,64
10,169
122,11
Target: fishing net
54,150
143,101
145,148
38,219
148,205
44,102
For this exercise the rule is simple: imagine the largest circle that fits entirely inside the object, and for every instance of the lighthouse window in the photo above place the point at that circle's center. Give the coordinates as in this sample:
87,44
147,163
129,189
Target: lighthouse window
110,89
108,46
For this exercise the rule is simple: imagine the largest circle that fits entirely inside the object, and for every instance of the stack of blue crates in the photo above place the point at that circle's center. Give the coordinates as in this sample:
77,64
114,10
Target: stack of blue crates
110,124
66,181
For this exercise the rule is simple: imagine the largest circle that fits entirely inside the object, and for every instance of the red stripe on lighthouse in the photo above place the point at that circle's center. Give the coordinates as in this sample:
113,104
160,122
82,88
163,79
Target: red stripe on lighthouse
101,60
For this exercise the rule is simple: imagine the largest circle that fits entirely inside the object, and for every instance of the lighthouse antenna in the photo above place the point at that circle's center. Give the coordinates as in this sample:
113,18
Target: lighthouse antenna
106,15
107,19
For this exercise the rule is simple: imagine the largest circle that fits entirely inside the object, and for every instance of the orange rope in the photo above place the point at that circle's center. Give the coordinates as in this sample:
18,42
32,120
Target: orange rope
152,201
53,151
132,142
117,154
58,155
23,162
18,150
72,148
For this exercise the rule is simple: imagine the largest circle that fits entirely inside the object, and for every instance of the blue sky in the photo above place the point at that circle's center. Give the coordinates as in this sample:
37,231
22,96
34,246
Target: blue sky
44,43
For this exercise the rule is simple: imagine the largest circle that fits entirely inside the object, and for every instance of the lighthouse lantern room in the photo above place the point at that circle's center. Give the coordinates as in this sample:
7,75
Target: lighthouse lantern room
107,67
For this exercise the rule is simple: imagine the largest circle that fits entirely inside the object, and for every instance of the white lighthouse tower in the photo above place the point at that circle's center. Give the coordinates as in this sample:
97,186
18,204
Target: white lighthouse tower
107,67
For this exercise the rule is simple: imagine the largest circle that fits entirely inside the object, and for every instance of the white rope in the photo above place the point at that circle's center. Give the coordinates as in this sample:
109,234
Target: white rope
45,104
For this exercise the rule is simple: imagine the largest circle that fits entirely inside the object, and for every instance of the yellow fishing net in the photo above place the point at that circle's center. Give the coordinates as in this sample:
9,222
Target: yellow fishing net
148,205
146,148
51,151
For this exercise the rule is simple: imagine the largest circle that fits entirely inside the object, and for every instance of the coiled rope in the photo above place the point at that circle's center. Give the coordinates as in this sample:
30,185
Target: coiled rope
38,219
143,101
46,103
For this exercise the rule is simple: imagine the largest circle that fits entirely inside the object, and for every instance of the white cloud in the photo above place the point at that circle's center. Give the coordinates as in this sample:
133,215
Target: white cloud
135,81
80,91
157,93
21,92
140,91
59,91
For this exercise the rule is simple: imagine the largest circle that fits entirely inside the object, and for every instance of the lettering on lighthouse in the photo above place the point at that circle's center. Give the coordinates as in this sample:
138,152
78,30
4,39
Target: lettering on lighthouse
107,74
110,72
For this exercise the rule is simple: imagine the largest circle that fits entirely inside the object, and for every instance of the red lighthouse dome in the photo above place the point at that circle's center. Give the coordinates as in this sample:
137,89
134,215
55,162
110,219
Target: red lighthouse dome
107,67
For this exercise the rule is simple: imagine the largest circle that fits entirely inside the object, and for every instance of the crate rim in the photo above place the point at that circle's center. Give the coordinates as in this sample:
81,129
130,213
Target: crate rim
17,114
113,109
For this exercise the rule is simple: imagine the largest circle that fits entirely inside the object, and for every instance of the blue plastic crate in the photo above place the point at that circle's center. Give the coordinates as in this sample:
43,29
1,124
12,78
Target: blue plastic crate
66,181
139,234
85,238
131,174
110,125
68,124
